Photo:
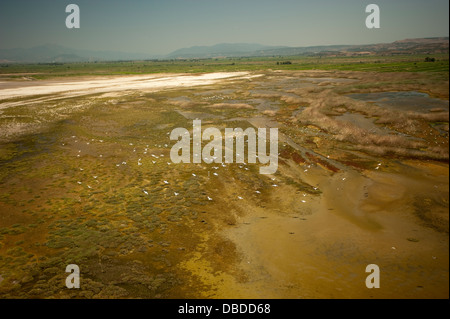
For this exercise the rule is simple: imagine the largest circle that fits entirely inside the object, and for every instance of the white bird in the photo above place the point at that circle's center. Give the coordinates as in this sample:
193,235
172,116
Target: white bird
166,182
176,194
258,192
145,192
194,175
209,198
240,197
215,174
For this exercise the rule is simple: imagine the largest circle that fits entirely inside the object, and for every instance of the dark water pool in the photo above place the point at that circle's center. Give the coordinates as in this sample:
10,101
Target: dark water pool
408,101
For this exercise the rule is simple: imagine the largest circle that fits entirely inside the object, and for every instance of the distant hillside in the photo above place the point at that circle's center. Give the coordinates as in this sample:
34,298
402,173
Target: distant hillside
54,53
407,46
223,49
49,53
422,45
423,40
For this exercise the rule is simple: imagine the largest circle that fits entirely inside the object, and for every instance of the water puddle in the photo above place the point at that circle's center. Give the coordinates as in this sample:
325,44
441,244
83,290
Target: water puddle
199,115
335,80
405,101
364,123
215,93
273,93
265,105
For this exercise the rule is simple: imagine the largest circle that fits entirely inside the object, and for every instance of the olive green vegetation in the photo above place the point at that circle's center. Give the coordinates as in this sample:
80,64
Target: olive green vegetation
400,63
99,190
100,209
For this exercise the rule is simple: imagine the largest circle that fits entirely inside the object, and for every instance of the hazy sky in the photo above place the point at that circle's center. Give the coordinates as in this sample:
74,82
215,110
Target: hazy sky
159,27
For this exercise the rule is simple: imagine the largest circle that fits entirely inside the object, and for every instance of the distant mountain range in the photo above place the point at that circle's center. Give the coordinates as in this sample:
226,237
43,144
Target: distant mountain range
223,50
50,53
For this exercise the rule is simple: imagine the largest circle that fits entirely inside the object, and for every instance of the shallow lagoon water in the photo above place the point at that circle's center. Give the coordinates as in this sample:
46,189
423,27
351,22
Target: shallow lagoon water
405,101
363,122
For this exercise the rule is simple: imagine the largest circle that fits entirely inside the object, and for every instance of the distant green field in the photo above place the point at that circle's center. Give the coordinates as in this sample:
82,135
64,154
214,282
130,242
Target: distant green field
403,63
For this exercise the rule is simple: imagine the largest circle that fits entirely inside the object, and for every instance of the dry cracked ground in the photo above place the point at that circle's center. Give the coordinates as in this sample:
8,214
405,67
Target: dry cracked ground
86,178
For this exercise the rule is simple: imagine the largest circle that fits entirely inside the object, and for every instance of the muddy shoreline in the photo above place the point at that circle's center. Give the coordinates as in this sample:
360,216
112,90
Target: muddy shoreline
86,178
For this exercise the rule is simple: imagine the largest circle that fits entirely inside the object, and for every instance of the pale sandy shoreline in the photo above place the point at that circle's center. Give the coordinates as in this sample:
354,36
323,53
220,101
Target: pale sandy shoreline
94,85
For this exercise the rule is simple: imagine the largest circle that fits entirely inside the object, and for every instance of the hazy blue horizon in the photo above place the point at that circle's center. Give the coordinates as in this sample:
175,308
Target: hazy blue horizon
160,27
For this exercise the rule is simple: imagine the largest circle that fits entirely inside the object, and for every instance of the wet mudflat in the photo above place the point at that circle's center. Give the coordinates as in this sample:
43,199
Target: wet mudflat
408,101
87,179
